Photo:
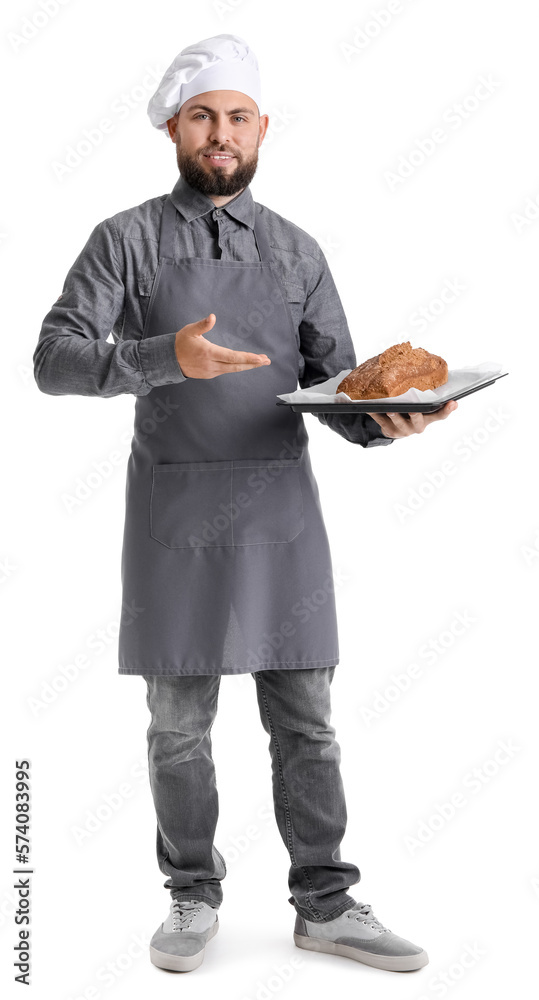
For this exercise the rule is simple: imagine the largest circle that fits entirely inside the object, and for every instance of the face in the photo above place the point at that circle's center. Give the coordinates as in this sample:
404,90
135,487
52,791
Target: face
218,121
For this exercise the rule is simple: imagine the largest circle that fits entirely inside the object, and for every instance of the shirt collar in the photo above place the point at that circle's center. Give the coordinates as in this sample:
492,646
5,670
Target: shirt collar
192,203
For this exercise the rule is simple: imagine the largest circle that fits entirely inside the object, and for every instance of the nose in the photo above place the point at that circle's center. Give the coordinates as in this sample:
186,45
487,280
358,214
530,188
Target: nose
219,131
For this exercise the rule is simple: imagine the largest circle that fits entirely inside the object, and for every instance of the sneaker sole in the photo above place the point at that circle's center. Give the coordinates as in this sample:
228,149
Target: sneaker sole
391,963
182,963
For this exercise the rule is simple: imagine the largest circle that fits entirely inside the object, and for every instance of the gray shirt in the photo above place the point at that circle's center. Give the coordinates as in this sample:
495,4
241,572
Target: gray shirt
107,290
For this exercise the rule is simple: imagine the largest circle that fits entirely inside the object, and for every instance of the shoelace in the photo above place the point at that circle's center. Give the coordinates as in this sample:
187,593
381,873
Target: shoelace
183,911
363,911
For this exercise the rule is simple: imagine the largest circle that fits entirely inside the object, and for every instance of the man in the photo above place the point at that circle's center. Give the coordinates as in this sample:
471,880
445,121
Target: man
226,565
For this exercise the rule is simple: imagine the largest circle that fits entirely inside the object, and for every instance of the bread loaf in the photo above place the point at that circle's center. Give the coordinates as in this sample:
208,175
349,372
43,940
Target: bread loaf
393,372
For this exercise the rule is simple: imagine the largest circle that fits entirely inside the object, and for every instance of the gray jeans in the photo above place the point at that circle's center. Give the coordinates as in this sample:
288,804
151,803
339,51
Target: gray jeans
308,791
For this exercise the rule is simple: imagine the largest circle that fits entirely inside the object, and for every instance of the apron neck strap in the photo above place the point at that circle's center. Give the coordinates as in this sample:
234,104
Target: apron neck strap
168,222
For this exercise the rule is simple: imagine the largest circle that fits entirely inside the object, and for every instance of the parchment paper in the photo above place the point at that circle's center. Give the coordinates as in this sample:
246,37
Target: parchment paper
458,379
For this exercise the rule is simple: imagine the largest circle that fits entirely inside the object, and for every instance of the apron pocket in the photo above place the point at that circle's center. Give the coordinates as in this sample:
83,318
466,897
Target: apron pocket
232,502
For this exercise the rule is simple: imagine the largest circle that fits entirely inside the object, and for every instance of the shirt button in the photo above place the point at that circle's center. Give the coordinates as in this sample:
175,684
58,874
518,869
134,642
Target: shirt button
218,211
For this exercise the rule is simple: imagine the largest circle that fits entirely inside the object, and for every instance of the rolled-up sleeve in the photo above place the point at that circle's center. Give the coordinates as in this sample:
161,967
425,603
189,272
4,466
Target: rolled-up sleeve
327,348
72,354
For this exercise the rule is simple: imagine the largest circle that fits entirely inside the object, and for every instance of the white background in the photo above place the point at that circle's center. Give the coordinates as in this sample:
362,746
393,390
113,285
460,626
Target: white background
345,109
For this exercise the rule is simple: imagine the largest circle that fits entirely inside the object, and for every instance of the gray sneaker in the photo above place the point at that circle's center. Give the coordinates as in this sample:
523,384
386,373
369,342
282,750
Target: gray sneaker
357,934
179,942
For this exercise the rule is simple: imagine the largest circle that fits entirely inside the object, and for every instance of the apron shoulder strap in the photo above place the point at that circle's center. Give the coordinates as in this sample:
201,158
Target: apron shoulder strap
168,222
261,238
166,235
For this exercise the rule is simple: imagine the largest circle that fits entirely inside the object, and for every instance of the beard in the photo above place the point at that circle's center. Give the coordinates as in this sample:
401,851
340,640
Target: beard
216,180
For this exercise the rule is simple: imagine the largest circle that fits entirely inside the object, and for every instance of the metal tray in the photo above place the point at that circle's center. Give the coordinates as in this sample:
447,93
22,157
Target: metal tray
372,406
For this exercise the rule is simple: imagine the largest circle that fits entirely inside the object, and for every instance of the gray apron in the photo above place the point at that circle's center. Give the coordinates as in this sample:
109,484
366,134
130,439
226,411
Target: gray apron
226,566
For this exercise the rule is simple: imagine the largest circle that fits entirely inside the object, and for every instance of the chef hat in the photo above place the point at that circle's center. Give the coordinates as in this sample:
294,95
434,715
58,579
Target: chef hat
222,62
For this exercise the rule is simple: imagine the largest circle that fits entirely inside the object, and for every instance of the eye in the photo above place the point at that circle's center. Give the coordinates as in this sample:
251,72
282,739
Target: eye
202,114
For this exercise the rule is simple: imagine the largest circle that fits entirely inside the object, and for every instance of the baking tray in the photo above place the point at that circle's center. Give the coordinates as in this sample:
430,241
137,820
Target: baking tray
379,406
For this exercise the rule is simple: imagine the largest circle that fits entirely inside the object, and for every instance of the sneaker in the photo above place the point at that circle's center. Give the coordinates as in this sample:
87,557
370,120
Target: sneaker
357,934
179,942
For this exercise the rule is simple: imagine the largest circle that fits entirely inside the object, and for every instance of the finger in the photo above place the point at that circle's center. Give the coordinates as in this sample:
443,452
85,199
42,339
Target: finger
443,412
404,425
226,356
449,407
384,419
417,422
200,326
384,422
225,369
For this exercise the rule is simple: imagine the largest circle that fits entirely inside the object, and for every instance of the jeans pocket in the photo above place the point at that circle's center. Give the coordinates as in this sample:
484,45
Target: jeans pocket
226,503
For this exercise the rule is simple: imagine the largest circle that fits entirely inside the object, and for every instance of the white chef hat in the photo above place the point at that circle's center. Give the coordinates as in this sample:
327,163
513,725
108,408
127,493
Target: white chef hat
222,62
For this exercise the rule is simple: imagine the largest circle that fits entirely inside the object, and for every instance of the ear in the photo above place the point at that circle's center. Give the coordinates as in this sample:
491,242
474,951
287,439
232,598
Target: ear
171,125
263,127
